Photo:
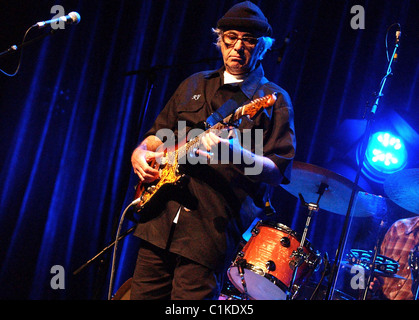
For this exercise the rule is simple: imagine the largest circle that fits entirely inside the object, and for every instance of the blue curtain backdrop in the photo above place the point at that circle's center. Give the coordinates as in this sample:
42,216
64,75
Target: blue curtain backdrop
71,117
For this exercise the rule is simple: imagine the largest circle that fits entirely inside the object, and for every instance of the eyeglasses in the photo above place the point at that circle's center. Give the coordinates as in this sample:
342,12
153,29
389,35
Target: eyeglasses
230,40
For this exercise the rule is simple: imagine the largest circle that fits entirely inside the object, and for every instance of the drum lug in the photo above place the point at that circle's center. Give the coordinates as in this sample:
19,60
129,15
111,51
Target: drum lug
255,231
270,265
315,262
285,242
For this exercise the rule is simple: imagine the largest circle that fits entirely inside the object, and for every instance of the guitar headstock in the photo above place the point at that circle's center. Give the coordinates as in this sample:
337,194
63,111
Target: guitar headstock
252,108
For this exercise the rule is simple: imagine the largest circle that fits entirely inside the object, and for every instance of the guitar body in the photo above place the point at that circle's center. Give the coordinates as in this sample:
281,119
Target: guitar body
169,164
169,175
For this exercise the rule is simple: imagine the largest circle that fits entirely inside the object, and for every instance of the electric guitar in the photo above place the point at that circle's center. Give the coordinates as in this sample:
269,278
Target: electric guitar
168,165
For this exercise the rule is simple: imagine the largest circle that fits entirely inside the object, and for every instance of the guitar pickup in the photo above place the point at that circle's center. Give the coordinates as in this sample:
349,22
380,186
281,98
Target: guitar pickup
151,189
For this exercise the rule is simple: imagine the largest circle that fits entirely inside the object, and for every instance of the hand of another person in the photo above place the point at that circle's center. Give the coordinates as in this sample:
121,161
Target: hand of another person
376,284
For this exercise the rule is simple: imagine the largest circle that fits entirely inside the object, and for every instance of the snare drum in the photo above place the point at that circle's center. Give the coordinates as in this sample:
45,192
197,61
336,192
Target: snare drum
266,263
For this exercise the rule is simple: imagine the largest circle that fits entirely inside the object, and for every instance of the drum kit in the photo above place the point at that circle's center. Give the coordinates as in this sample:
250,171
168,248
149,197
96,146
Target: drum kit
276,263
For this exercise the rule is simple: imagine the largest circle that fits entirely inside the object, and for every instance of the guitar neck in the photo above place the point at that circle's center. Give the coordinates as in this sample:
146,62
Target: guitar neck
250,110
195,142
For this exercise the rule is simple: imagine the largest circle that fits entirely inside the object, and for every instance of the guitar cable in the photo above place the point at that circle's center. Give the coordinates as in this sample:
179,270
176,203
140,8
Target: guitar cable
121,220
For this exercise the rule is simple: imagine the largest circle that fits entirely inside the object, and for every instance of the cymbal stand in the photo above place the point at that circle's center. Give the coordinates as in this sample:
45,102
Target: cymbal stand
298,255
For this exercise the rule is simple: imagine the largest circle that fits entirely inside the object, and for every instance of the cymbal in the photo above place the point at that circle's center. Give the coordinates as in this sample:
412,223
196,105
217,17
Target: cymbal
368,205
307,179
403,189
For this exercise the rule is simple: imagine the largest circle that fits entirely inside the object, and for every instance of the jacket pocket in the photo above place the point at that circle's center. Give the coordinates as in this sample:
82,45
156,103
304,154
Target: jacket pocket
192,112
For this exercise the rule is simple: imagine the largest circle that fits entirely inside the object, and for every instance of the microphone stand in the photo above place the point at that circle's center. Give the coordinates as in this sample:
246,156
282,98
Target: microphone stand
366,138
151,74
104,250
15,48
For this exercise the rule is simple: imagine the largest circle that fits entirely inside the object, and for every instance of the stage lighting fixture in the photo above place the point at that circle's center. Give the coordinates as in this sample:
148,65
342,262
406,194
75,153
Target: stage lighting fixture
385,154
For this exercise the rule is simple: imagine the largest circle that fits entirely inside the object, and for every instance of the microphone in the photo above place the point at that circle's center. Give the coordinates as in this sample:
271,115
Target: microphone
71,18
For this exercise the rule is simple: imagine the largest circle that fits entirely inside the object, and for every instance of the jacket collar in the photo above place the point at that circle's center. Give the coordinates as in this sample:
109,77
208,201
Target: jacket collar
249,85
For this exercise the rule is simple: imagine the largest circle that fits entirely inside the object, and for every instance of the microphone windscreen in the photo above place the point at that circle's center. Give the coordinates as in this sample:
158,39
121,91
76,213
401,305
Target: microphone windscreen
75,17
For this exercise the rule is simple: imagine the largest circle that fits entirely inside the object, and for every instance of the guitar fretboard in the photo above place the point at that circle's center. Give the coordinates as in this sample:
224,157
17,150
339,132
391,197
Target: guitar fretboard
249,110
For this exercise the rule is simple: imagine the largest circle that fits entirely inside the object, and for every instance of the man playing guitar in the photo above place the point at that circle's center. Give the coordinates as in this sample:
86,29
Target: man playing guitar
191,231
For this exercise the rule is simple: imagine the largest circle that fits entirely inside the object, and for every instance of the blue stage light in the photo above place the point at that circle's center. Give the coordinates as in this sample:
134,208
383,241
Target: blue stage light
385,154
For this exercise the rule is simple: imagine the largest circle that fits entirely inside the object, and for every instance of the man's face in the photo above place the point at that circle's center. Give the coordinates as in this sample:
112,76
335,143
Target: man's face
240,51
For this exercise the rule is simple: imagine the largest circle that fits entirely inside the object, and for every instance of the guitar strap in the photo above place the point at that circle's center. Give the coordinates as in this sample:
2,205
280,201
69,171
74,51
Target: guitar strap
226,109
229,107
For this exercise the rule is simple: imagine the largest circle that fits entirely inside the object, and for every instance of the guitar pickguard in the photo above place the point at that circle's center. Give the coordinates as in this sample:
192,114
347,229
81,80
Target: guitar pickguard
169,174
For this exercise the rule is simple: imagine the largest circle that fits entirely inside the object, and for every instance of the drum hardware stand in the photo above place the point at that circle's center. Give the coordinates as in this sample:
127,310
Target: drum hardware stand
240,265
325,271
364,145
381,231
414,267
298,255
